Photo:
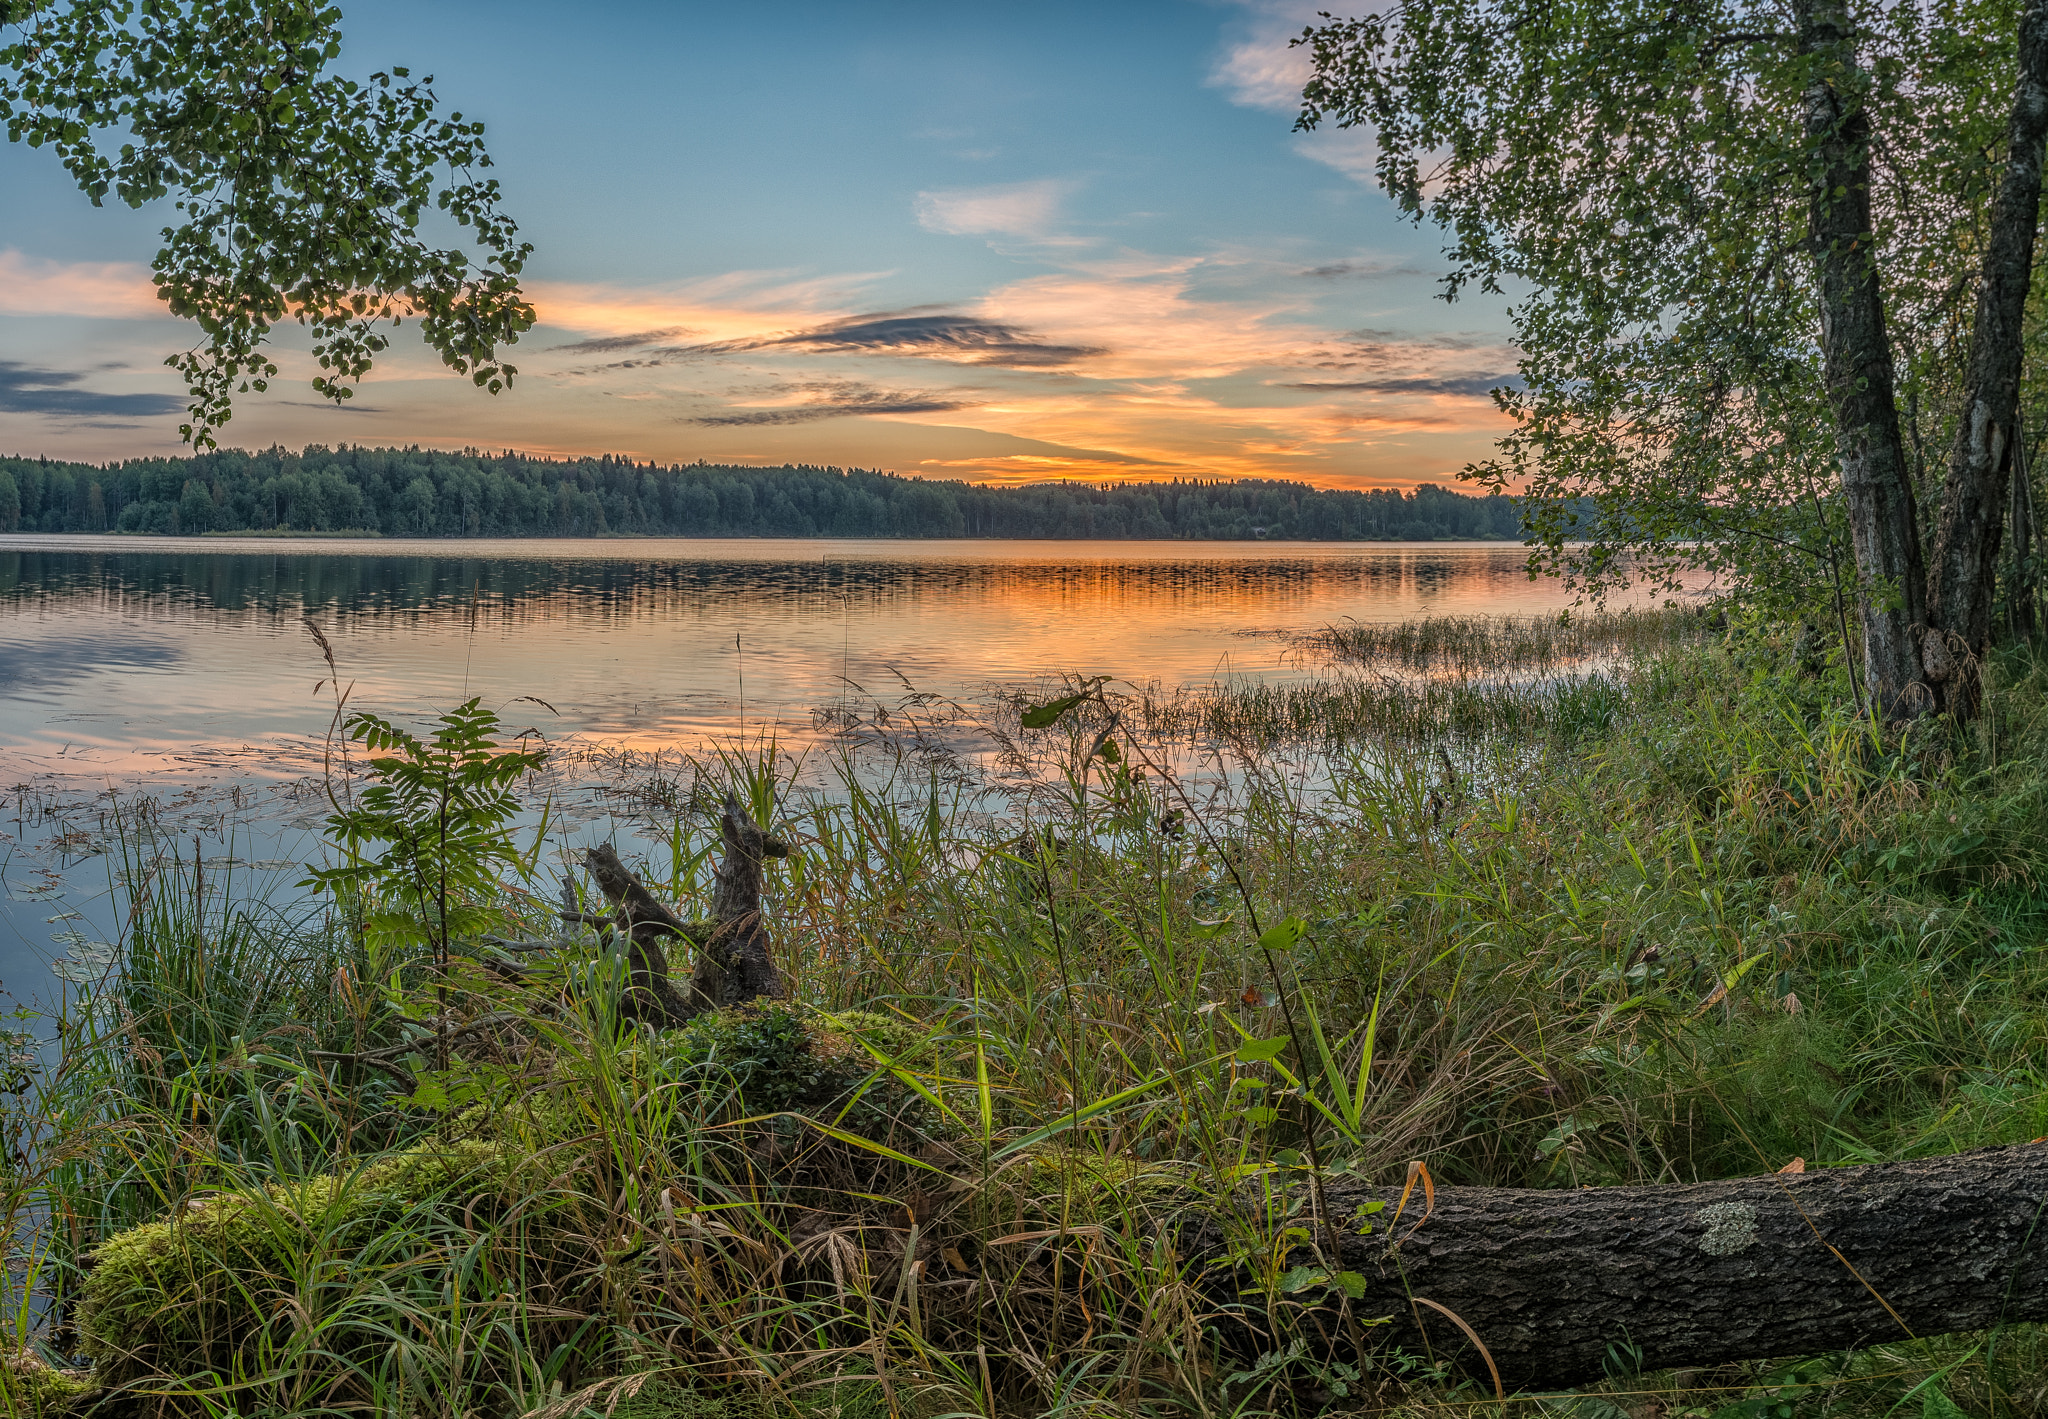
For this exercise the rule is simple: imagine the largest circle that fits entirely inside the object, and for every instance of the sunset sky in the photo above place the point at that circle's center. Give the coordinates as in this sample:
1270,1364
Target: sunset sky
1001,242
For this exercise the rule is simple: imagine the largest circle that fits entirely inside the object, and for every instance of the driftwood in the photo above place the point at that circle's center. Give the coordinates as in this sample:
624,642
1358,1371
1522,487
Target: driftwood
733,957
1562,1288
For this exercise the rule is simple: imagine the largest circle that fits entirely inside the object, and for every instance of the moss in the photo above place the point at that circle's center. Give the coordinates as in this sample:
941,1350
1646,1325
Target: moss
254,1273
31,1389
885,1032
783,1058
193,1291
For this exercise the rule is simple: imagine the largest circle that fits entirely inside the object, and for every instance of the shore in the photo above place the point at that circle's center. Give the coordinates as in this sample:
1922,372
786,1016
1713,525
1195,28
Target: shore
1685,920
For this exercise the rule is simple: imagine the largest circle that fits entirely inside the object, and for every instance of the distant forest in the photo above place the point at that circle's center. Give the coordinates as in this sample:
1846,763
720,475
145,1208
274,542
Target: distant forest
418,493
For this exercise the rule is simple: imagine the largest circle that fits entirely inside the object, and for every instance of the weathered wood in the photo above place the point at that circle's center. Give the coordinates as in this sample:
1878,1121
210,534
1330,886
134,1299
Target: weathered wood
1676,1276
650,994
734,963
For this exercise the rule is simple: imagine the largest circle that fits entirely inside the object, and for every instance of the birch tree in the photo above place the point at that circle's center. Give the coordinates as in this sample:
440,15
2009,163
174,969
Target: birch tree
1763,256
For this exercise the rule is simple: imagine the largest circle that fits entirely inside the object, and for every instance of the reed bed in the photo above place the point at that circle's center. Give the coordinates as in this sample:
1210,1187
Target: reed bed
1331,712
1507,645
1018,1005
1440,680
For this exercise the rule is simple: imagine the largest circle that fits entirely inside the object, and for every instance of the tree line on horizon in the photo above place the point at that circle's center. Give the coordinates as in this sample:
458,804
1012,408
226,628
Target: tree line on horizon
417,492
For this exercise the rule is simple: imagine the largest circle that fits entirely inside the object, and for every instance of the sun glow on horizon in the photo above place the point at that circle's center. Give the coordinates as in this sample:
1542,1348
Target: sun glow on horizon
992,290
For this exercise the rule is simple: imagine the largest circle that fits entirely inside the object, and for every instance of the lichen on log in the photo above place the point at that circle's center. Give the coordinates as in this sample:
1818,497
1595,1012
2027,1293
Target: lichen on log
1559,1286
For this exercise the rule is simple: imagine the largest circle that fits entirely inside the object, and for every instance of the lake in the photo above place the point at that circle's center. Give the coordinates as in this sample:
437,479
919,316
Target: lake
182,668
126,658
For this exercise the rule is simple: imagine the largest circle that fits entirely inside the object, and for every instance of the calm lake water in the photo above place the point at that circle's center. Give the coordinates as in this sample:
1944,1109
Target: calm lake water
182,667
125,657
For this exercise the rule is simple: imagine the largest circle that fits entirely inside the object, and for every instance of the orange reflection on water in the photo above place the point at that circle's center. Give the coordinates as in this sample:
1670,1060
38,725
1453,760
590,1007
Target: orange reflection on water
121,656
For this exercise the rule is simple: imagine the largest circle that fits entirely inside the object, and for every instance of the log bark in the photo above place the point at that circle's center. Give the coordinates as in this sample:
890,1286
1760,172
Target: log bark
1857,368
1964,575
1755,1268
736,963
734,960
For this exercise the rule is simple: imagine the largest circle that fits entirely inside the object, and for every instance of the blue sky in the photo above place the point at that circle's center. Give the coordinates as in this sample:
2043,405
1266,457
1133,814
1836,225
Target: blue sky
1000,242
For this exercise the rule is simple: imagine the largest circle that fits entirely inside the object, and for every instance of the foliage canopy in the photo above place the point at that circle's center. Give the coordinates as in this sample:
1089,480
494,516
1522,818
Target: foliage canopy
1638,177
419,493
300,194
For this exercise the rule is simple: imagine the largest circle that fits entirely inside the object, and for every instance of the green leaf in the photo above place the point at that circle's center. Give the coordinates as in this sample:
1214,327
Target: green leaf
1260,1051
1045,716
1935,1404
1284,936
1084,1114
1558,1137
854,1140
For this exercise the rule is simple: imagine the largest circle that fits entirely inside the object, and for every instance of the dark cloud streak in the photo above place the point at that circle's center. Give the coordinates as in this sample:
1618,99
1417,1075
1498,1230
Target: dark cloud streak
1467,384
25,389
608,344
1368,270
941,335
916,334
838,399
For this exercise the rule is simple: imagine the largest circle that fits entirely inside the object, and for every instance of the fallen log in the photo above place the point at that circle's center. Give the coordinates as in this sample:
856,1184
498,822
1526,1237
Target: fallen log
1562,1288
733,962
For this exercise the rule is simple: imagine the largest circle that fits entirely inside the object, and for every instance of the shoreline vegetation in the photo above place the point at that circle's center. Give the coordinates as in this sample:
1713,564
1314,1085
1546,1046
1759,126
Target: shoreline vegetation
417,492
1554,904
350,533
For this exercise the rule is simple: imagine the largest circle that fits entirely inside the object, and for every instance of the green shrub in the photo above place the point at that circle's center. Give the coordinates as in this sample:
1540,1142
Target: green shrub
30,1389
243,1273
770,1058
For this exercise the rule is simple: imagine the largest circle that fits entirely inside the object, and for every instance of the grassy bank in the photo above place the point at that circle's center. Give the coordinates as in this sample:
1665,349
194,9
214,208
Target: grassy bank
1024,1029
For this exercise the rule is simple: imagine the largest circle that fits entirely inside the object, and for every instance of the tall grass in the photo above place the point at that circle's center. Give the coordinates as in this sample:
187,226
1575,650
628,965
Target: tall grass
958,1200
1505,645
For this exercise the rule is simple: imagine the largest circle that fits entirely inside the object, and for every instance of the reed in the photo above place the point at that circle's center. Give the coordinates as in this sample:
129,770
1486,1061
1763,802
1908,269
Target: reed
1504,645
938,1183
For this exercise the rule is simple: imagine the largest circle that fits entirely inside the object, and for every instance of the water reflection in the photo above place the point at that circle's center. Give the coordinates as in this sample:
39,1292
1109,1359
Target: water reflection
657,576
182,670
123,659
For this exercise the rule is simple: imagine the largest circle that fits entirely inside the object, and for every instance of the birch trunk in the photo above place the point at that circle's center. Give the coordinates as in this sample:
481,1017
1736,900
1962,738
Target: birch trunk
1857,359
1963,579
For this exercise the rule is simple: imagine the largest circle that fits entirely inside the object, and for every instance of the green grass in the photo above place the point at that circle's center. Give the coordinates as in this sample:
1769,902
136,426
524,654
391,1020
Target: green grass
760,1215
1504,645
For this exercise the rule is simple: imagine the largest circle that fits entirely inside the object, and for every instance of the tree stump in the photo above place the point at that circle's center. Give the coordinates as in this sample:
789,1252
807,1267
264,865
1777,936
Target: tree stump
734,963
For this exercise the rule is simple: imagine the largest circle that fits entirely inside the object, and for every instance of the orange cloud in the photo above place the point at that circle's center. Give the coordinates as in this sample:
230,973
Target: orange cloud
1132,365
116,290
737,305
1176,366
